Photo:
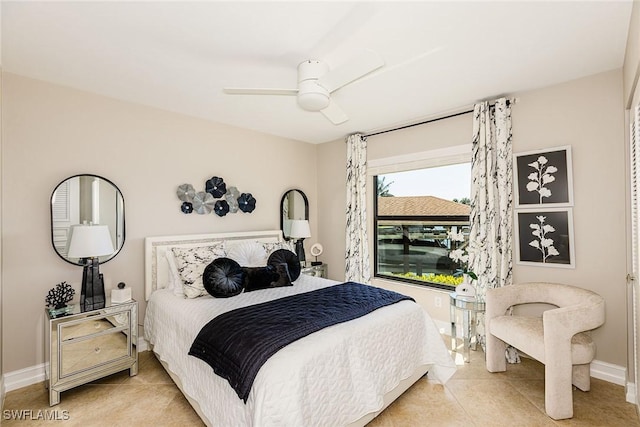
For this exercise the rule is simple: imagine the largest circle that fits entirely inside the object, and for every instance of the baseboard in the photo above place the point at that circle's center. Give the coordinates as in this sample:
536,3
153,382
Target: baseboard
143,345
2,392
443,327
609,372
24,377
631,393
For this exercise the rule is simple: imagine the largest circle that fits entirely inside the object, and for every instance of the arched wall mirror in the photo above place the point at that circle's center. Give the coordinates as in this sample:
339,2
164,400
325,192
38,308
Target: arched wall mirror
86,199
294,205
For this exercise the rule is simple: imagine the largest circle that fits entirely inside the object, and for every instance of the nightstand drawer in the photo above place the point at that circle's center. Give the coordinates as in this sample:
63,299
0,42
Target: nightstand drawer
86,327
82,354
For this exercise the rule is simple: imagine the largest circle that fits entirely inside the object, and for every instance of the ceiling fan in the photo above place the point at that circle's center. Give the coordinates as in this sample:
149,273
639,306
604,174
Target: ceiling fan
316,83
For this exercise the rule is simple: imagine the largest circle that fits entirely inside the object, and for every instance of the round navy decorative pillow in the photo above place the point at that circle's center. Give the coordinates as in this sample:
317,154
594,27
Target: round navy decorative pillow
223,278
287,257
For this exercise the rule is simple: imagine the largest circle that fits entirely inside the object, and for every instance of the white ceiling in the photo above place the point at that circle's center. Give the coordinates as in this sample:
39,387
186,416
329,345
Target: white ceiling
439,56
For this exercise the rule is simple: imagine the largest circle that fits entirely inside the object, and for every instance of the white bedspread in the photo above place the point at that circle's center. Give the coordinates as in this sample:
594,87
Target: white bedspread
332,377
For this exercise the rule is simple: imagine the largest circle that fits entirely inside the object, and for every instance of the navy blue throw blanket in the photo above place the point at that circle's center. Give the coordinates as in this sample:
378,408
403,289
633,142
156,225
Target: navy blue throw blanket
236,344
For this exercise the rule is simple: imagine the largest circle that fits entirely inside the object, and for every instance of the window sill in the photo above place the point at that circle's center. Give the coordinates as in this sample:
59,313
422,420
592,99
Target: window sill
415,283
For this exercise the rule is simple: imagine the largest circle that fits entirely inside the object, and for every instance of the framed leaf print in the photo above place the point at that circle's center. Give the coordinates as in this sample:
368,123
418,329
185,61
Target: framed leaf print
545,237
543,178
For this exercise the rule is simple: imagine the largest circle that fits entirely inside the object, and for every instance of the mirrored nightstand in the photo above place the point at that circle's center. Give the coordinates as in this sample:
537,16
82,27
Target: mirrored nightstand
315,270
83,346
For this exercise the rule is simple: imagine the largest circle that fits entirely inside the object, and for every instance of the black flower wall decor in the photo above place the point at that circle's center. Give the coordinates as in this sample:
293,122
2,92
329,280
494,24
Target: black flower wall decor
216,187
217,198
221,208
246,202
186,207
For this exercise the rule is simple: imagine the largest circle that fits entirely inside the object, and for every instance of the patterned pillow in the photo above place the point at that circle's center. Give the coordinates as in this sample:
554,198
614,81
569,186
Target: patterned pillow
285,244
191,263
223,278
248,254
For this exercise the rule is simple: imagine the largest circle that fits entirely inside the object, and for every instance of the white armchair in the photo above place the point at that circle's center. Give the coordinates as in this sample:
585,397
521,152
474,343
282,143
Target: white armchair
557,339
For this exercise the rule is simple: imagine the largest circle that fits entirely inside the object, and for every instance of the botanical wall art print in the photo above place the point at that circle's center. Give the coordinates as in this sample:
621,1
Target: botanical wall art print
545,237
543,177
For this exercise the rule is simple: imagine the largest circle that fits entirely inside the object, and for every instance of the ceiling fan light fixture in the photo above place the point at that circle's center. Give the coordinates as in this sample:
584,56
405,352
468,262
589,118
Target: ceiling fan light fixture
312,96
316,83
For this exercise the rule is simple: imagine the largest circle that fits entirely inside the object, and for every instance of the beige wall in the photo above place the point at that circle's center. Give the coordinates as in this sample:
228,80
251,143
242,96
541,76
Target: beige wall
586,114
332,199
52,132
632,55
1,376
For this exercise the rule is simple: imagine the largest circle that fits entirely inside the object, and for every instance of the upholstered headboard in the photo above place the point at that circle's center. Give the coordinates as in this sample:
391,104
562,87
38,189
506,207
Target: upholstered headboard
156,268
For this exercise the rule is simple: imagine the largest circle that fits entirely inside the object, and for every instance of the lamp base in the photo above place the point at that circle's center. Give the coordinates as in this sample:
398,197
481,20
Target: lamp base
92,293
300,251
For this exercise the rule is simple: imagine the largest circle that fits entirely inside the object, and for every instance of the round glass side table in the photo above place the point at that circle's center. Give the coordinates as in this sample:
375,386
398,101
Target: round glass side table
469,308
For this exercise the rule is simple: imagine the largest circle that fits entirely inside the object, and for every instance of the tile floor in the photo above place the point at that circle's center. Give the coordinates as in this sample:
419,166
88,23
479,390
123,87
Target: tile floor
472,397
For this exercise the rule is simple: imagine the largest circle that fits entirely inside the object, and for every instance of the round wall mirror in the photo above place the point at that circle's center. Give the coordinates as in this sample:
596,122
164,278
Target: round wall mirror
294,205
86,200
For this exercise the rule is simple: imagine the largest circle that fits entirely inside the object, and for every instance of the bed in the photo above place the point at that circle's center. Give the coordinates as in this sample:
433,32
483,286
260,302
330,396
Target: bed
345,374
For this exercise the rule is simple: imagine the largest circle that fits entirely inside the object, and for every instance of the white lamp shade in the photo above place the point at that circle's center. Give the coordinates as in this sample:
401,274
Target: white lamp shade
300,229
90,241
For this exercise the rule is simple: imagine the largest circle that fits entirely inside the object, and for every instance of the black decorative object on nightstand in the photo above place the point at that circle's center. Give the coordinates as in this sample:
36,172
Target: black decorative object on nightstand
59,296
57,300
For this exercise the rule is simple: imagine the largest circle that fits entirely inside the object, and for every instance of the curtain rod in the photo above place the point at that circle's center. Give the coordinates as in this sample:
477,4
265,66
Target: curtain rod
418,124
509,101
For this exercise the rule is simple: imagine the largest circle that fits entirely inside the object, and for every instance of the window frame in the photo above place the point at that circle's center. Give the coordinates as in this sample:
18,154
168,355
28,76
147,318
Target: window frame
423,160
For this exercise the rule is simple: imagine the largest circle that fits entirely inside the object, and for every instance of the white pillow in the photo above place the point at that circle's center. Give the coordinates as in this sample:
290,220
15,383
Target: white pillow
248,254
174,282
191,262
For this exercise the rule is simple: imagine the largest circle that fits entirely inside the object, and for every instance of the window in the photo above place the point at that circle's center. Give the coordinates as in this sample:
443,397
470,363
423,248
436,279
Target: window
415,214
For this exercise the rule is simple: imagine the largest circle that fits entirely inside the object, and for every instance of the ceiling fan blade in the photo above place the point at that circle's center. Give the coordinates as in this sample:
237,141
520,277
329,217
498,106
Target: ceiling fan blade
334,113
410,61
258,91
357,67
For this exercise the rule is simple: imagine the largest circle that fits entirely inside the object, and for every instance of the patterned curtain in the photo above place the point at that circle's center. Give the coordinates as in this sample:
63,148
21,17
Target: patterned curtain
357,253
490,254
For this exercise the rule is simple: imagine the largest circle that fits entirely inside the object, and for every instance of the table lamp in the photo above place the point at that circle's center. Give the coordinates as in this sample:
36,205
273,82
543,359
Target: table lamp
88,242
299,231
